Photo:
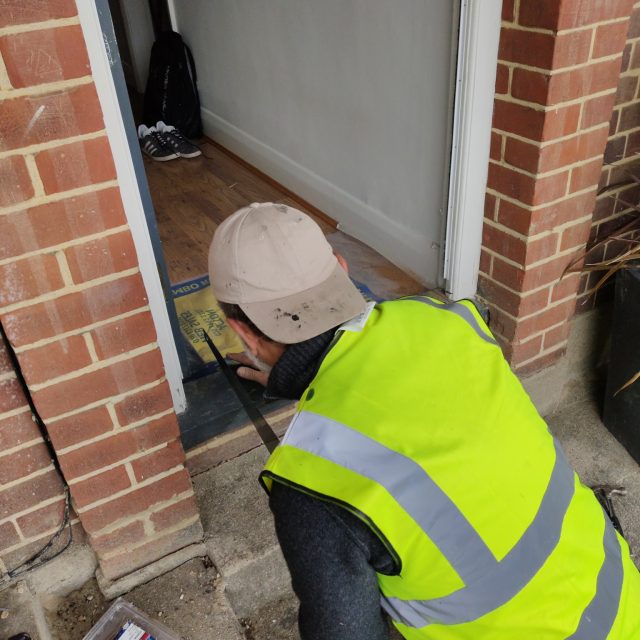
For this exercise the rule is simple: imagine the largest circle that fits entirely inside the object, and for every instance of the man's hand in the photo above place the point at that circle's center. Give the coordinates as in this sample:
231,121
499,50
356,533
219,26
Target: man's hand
249,372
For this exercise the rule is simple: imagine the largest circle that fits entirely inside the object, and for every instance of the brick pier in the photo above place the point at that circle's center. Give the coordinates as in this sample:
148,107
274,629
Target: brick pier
74,308
558,73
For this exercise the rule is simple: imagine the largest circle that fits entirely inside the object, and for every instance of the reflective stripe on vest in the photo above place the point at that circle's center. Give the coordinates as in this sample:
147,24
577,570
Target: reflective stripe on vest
459,310
490,583
598,618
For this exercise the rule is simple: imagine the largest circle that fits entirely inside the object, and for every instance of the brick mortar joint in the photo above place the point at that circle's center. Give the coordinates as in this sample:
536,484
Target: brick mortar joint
63,266
612,218
34,149
104,401
5,82
543,144
631,72
628,208
543,332
131,489
81,330
524,294
567,253
31,539
541,354
154,537
544,205
91,347
553,108
624,105
528,239
155,508
9,375
541,175
58,196
42,25
95,366
130,473
119,463
505,24
556,71
27,478
24,445
12,413
111,410
521,294
64,291
540,312
109,434
45,88
57,248
630,159
41,505
34,175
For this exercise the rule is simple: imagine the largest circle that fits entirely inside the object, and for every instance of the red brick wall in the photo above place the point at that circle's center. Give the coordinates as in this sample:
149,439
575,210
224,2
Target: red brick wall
31,491
558,70
621,156
74,307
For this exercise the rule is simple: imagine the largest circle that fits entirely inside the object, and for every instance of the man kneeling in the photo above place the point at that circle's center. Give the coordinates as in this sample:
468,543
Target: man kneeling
416,477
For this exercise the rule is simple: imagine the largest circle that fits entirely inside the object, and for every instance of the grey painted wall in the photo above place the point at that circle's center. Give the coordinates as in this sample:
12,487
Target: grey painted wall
345,101
137,18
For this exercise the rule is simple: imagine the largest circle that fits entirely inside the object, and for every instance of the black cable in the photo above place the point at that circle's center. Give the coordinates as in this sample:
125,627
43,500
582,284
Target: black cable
30,563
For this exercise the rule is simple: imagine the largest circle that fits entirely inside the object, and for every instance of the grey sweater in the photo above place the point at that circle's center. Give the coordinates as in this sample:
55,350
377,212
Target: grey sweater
332,556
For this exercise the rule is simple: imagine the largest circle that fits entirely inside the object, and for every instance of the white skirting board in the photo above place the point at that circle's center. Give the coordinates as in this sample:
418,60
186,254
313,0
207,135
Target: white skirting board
404,247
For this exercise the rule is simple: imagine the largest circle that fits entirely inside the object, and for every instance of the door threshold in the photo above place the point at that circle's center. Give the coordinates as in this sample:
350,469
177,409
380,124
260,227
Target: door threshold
214,409
240,437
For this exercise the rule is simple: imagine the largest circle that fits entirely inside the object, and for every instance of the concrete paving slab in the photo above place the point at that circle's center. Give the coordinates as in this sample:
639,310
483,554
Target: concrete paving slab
279,621
235,510
22,613
64,574
600,459
258,583
240,535
113,589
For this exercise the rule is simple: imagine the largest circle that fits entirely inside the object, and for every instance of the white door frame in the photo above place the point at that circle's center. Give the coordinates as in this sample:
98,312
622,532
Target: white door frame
480,22
475,81
99,57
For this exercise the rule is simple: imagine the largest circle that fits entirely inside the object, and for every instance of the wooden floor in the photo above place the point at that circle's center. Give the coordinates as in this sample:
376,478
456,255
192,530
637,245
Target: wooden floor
193,196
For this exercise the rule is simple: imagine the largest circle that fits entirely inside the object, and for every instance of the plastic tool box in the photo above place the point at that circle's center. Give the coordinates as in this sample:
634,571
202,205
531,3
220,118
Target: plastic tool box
123,621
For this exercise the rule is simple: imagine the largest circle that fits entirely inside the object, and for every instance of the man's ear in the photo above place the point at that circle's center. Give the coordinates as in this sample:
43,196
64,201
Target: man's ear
250,339
341,261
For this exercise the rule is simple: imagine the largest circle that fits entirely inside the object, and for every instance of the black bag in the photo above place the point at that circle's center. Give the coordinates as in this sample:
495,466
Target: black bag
172,92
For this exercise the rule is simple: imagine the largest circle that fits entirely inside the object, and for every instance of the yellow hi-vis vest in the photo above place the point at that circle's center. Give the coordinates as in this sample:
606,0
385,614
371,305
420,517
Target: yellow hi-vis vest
417,425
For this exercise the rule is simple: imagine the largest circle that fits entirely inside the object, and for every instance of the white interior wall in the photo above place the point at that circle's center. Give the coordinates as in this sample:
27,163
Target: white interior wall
137,19
347,102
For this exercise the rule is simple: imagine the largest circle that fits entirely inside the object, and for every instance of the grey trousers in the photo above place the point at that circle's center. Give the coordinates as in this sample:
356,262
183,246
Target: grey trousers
333,558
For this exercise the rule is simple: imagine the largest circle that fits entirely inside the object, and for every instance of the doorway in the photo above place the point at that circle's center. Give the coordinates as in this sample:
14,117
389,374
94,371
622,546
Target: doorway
388,204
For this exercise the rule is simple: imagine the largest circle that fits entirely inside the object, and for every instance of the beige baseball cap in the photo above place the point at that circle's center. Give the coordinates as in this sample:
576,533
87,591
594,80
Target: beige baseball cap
275,263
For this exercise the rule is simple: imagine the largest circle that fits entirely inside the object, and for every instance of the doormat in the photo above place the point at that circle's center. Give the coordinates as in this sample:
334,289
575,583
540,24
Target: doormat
198,309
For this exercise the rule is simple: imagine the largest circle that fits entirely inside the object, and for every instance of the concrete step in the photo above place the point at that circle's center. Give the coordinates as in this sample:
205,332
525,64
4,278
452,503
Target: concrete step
240,536
242,543
22,612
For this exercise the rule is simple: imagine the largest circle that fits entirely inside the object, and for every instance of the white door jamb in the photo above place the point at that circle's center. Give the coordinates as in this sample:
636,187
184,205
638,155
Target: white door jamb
480,22
100,59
